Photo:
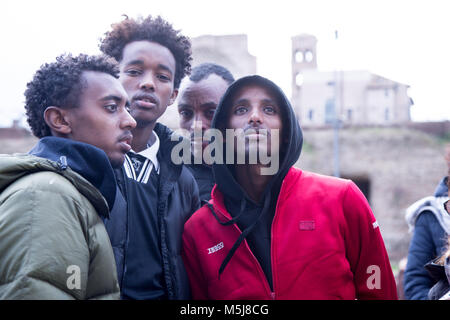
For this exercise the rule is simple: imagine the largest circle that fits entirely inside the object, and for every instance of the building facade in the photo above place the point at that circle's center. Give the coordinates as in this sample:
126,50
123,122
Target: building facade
352,97
230,51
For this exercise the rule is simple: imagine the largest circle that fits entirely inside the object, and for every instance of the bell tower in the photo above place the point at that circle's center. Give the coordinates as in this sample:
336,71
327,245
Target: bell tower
303,58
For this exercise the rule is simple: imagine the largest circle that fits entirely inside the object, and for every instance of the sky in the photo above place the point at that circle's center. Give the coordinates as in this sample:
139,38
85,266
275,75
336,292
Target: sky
405,41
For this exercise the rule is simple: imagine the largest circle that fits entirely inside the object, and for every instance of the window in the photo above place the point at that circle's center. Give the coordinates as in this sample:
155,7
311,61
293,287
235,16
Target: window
299,56
310,114
386,114
309,56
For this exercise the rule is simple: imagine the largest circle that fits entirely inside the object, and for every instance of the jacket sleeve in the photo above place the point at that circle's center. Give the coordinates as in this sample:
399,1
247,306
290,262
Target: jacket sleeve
43,251
196,279
366,251
426,244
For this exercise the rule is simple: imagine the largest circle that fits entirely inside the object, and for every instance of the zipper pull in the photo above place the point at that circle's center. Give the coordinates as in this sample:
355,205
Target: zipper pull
272,295
62,163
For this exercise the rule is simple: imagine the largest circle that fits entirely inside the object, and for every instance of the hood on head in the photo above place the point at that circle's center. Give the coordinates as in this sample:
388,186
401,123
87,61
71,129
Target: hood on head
290,147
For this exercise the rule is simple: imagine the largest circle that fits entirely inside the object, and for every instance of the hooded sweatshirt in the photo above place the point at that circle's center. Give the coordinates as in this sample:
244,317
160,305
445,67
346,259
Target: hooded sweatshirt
257,220
309,237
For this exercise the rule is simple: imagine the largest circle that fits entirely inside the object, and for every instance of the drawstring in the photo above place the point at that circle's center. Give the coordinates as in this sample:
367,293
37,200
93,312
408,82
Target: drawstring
230,222
244,233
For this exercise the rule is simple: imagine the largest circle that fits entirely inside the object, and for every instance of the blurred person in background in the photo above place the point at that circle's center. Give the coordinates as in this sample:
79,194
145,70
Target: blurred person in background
198,99
430,224
439,269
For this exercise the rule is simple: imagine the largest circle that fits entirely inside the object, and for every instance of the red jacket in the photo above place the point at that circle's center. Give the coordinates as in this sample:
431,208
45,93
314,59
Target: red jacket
325,244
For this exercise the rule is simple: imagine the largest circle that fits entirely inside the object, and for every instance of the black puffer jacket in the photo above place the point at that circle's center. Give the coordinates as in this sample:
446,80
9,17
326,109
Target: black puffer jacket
205,179
177,199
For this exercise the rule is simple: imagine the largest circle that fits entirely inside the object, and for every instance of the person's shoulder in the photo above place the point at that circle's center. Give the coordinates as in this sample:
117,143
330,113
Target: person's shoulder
44,181
186,177
48,198
315,181
165,134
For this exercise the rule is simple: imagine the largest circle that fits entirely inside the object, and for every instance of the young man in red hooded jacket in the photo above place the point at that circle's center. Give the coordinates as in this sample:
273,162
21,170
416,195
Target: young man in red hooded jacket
272,231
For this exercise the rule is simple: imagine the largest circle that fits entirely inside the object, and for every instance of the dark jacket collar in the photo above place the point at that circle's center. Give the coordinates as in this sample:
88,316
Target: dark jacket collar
88,161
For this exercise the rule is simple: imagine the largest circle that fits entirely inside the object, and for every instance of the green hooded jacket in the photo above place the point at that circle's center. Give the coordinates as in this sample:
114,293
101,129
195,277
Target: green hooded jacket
53,244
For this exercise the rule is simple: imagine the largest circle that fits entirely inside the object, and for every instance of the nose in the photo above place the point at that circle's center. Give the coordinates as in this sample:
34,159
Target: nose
198,123
147,82
127,121
255,116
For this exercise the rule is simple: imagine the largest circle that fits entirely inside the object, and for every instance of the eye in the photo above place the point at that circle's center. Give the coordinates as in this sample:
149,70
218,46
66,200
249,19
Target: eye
187,114
239,110
132,72
111,107
164,78
270,110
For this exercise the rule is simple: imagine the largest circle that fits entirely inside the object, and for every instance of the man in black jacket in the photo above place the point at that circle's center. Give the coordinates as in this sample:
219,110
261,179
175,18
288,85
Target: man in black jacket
199,98
160,195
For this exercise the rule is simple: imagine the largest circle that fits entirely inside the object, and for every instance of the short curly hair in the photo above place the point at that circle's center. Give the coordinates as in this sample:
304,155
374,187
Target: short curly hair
204,70
154,30
60,84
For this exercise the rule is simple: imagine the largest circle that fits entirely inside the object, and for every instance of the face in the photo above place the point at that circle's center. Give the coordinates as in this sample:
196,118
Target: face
101,118
196,106
147,72
256,110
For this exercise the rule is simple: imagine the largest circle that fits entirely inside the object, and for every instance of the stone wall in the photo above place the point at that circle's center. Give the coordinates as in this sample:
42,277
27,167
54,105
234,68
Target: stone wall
401,164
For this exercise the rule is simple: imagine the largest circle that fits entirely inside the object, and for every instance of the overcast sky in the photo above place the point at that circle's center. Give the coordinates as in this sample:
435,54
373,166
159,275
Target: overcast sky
405,41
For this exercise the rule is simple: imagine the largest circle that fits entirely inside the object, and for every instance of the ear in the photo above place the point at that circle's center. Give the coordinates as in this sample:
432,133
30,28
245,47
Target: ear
173,97
55,118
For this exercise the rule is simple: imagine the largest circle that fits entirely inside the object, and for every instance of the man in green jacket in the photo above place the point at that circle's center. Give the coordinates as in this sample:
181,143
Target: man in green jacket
52,201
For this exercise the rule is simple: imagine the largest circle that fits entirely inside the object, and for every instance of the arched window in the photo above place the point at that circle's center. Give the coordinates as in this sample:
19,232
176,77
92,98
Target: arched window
299,57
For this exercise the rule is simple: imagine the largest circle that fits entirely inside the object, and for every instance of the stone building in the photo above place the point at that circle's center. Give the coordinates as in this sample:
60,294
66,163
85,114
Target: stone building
230,51
353,97
394,166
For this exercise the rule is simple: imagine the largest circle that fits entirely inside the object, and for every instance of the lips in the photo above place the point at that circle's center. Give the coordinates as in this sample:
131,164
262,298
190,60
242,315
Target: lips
125,141
145,100
250,132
